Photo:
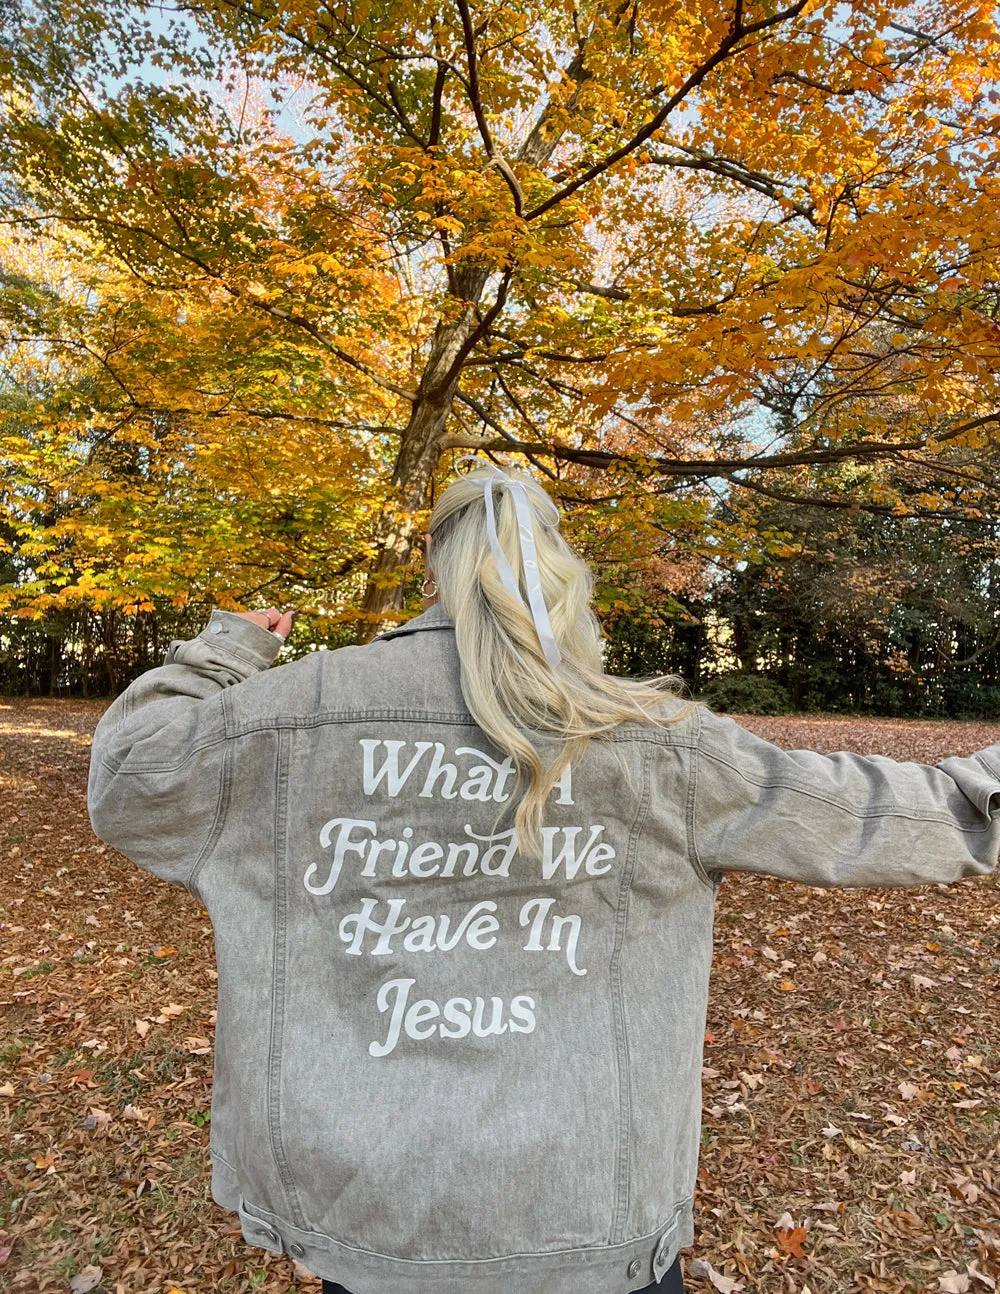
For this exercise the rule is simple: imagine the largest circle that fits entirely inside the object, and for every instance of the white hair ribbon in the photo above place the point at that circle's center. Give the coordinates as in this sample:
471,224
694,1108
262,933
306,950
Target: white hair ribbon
529,558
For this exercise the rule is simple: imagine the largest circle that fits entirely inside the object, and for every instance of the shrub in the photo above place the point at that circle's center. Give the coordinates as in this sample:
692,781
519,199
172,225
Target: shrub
746,694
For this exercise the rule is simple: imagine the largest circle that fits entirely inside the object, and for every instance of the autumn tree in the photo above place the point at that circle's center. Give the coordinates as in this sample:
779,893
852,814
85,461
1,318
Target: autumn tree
654,250
858,608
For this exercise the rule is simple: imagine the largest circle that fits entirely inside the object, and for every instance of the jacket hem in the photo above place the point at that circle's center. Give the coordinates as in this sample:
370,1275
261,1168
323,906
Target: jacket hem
618,1268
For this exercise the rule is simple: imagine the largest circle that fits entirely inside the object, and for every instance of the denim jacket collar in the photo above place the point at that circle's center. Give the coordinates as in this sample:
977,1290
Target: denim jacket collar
435,617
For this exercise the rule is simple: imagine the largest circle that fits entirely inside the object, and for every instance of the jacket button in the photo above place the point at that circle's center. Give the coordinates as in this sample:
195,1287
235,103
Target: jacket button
664,1250
634,1267
296,1251
215,627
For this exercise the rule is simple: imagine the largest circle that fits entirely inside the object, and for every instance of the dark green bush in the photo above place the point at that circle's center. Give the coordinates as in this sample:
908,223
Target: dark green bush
746,694
960,696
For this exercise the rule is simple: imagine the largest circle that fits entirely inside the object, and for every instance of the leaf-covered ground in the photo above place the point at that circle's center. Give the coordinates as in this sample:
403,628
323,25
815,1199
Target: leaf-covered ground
852,1061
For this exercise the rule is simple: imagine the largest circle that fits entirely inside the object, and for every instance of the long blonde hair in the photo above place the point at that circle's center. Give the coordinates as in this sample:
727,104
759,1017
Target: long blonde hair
509,687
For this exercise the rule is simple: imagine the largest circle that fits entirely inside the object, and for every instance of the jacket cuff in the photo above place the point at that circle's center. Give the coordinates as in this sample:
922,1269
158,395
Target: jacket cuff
247,646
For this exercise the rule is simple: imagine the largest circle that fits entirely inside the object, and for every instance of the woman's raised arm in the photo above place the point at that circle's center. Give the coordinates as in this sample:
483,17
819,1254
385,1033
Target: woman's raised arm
840,820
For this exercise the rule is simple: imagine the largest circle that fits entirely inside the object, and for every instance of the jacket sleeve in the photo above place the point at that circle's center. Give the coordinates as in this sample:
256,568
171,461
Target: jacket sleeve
157,786
840,820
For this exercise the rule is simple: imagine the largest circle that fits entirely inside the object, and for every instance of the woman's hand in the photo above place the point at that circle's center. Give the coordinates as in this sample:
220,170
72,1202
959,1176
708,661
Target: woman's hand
279,622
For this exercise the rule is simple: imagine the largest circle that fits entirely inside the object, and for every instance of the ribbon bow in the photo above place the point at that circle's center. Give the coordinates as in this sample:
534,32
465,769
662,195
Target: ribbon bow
529,560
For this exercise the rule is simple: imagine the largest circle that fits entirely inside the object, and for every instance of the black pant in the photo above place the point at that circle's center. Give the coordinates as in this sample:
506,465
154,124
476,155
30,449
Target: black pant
670,1284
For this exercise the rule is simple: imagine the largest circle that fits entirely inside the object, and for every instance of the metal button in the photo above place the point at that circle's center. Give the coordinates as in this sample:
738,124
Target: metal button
664,1250
634,1267
296,1251
215,627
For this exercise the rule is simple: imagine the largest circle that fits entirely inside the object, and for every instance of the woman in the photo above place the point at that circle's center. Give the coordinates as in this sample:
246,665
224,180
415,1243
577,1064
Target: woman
462,884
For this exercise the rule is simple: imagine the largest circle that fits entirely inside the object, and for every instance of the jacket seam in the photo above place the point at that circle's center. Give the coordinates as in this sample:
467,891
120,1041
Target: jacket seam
405,629
694,858
462,718
278,984
221,805
162,768
623,1149
217,1154
875,811
260,663
268,1216
993,772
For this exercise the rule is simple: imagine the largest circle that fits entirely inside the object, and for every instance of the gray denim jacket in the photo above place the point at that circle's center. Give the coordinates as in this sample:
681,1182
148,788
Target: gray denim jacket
439,1068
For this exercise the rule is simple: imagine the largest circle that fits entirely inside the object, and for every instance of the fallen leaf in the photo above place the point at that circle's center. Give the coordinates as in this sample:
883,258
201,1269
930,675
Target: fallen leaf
964,1188
725,1284
792,1241
96,1119
87,1279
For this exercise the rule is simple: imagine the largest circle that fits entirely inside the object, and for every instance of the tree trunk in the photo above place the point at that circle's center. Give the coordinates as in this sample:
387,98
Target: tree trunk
419,447
417,459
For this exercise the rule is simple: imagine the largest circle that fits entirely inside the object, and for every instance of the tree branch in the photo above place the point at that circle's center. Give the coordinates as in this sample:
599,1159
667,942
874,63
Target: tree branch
736,33
655,464
725,168
475,99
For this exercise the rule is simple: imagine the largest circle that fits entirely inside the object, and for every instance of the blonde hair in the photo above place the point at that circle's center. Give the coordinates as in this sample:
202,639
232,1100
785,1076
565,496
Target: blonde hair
509,687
